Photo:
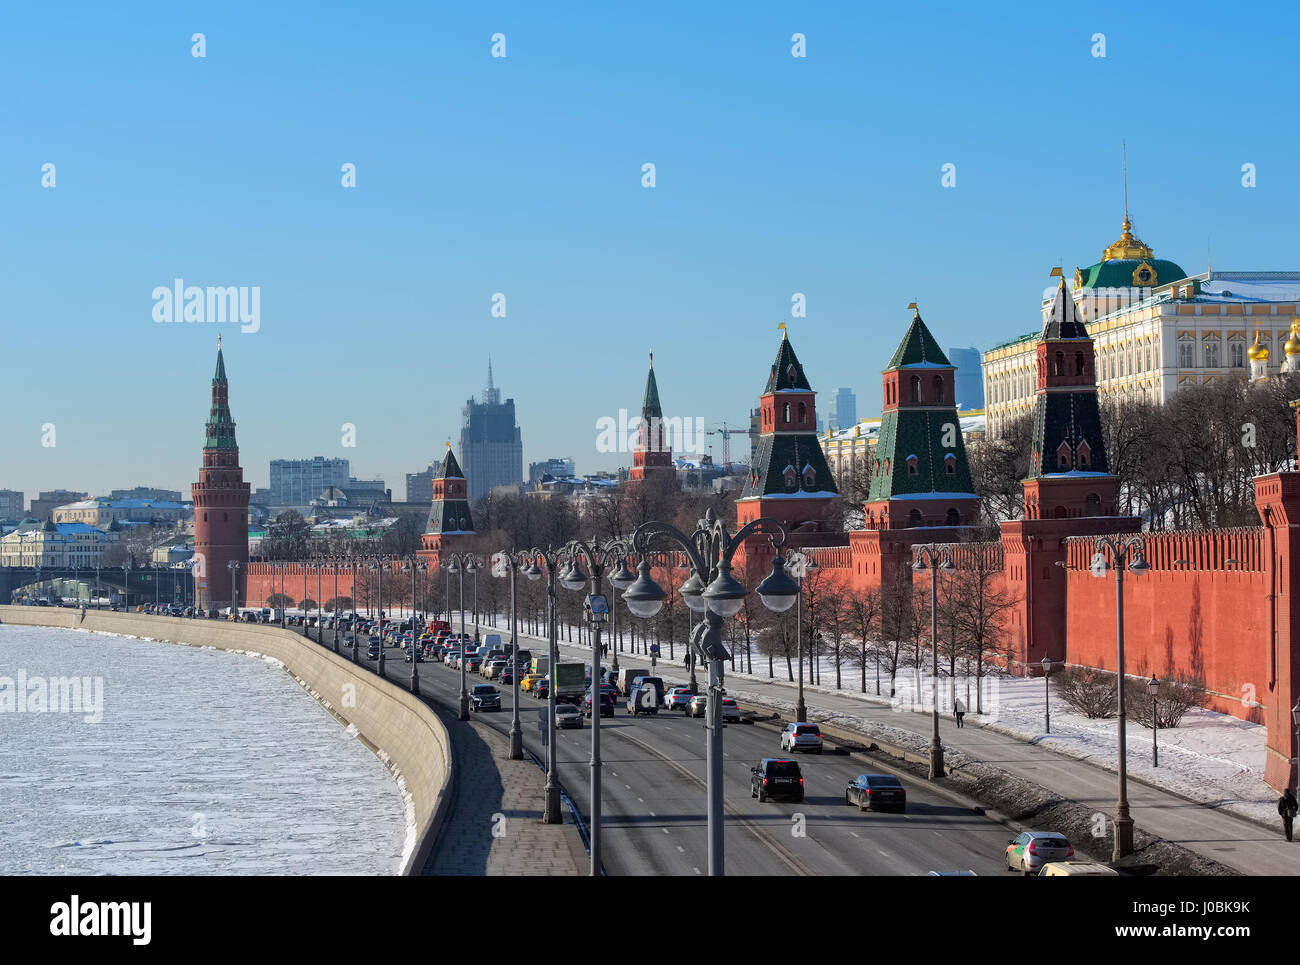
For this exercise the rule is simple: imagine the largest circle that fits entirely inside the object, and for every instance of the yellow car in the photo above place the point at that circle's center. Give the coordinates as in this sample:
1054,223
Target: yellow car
1071,868
526,682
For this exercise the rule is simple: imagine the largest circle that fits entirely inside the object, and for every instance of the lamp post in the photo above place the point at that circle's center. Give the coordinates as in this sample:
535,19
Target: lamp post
475,572
354,567
710,550
934,558
501,563
1047,696
98,585
461,563
1153,686
551,560
334,565
599,560
799,565
233,566
157,582
126,585
320,609
376,565
1125,553
415,565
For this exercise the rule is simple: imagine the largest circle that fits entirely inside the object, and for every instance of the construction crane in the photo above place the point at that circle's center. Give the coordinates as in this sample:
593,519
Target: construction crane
727,432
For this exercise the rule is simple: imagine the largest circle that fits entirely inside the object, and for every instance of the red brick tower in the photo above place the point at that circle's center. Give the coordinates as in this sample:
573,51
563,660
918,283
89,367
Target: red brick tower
653,456
450,524
220,505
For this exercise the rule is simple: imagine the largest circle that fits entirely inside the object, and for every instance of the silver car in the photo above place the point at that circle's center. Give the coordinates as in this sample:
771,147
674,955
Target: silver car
801,737
1030,850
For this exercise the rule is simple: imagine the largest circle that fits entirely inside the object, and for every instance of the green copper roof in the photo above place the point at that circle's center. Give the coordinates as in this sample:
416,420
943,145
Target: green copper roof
917,348
650,404
920,433
1118,273
221,426
787,373
450,468
1063,320
220,374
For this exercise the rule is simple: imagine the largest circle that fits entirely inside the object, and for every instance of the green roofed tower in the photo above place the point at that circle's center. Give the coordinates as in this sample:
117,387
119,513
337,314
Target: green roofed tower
919,473
653,456
790,479
450,523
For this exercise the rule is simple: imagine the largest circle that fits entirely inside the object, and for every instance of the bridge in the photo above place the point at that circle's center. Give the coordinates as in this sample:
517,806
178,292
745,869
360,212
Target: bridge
140,584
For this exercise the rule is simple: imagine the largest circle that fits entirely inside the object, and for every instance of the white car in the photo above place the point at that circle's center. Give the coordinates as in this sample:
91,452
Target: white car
568,715
679,698
801,737
730,711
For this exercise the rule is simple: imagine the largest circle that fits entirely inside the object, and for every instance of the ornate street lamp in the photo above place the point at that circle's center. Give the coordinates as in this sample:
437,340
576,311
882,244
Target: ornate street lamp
414,565
552,561
937,560
1125,553
710,550
460,564
513,563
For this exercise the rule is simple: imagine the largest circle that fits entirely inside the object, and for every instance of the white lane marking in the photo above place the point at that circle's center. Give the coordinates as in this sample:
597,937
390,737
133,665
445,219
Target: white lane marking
697,871
653,815
883,852
641,799
681,849
628,786
665,830
615,773
855,834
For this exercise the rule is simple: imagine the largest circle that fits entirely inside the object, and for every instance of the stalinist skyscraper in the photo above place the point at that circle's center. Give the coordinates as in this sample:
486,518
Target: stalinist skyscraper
491,449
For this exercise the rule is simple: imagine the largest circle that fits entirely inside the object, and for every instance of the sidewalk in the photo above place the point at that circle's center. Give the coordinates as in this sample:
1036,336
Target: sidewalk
1202,827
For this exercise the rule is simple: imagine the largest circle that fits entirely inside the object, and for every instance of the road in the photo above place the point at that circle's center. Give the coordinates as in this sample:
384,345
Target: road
653,799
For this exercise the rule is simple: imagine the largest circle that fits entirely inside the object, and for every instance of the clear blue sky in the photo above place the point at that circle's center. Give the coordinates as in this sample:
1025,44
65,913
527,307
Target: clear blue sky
522,175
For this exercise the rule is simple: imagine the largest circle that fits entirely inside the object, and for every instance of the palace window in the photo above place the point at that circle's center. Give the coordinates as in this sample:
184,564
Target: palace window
1211,350
1186,353
1237,354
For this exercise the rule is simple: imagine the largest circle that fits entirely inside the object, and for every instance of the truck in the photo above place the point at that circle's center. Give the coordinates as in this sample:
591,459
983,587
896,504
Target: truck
541,665
625,677
570,682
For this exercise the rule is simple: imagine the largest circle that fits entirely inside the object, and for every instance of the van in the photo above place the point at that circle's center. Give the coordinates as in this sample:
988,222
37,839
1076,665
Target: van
493,642
645,695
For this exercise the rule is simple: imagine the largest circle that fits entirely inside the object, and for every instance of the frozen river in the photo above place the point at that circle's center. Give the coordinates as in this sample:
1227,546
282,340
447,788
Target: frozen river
204,762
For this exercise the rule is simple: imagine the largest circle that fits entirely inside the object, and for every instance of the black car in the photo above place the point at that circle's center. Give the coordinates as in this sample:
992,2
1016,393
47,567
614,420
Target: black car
606,705
373,652
484,697
776,777
879,792
416,653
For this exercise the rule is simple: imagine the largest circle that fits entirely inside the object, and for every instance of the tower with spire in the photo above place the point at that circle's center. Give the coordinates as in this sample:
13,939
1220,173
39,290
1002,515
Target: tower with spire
653,456
220,504
491,448
450,522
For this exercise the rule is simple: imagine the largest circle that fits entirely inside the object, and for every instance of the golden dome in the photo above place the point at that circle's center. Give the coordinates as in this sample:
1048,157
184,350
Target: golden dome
1128,247
1292,346
1257,352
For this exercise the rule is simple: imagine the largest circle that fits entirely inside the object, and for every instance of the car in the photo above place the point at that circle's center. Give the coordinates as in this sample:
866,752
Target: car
373,652
414,655
492,668
568,715
1088,869
801,737
484,697
527,681
506,676
473,662
776,777
1030,850
697,705
876,792
606,705
730,710
542,688
375,641
679,698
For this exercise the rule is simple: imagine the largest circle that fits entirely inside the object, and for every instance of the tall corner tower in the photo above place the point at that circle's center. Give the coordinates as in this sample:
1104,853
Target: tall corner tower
220,505
653,456
919,474
789,479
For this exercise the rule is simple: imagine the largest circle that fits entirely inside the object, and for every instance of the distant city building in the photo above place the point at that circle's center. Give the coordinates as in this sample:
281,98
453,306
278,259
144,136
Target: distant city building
54,544
850,452
295,482
102,512
419,486
555,468
367,490
43,506
969,378
491,447
755,431
148,492
11,504
844,410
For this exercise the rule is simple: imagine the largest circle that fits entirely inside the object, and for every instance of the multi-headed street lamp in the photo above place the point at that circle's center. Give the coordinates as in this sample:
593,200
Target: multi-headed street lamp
599,560
462,563
414,565
335,560
938,561
800,564
551,560
1125,553
233,566
377,564
710,550
506,563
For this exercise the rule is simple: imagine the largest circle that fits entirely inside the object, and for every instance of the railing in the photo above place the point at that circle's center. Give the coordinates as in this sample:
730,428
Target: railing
1202,549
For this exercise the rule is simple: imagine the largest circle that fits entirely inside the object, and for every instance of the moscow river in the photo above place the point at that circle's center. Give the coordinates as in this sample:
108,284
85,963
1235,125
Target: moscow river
165,759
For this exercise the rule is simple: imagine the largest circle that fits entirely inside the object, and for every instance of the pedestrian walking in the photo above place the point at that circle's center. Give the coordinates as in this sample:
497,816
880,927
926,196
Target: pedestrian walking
1287,807
959,711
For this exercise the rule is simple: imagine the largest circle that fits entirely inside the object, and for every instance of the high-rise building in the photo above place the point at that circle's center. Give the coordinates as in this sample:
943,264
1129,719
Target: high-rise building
491,447
419,486
11,504
969,378
43,506
296,482
148,493
220,505
844,410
